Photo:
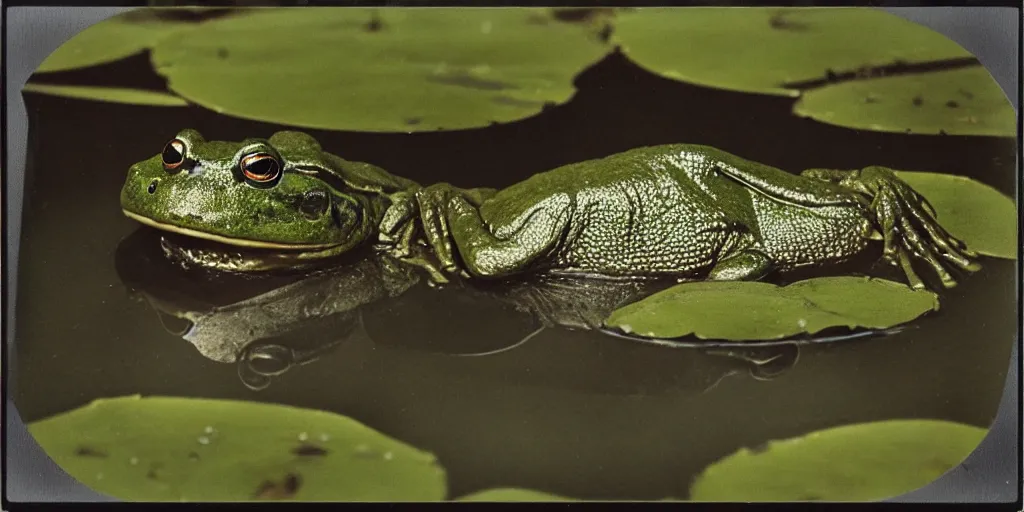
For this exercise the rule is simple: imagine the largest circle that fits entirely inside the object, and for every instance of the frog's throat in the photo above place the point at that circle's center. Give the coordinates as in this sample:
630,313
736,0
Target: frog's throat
256,244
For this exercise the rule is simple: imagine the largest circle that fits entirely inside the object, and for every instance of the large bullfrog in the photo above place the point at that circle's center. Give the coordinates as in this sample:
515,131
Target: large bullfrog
678,210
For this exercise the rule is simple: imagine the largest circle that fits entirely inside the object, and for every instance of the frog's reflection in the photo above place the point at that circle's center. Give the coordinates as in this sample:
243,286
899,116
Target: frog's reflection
267,325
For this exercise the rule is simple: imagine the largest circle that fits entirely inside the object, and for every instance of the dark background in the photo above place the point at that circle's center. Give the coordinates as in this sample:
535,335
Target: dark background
573,413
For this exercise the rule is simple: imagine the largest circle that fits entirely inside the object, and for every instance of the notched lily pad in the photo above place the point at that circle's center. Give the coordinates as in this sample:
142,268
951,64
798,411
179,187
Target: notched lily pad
382,70
759,50
109,94
758,311
981,216
120,36
860,462
511,494
965,101
171,449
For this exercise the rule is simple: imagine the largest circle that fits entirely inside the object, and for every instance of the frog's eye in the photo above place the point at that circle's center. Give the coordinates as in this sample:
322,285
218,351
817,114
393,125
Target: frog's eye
260,167
173,154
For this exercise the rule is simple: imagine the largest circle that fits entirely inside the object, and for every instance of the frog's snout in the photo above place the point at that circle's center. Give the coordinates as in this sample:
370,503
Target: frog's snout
152,186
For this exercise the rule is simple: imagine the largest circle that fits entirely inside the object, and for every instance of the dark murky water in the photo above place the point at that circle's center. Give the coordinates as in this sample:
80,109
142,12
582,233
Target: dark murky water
566,411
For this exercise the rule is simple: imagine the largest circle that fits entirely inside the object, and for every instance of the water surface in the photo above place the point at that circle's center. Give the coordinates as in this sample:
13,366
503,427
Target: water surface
573,412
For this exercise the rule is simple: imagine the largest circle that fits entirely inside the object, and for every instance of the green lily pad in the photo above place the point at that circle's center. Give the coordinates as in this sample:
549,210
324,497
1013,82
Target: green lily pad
981,216
181,449
109,94
861,462
113,39
752,310
963,101
512,494
381,70
760,50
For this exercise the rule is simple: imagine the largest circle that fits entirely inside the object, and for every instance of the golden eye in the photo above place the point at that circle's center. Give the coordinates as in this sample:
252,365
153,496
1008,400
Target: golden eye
173,154
260,167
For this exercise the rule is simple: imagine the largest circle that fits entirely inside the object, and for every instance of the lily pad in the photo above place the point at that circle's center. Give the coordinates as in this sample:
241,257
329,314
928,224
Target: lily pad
965,101
752,310
861,462
114,38
512,494
760,50
981,216
381,70
109,94
181,449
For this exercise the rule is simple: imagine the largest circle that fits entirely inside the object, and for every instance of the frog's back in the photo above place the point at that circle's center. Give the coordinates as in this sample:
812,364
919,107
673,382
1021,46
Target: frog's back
649,209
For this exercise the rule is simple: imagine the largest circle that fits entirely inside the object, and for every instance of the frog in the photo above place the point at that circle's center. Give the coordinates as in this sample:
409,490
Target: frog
678,211
265,203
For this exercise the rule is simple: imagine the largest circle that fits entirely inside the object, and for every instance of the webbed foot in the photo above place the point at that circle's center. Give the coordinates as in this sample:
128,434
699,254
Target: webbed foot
907,222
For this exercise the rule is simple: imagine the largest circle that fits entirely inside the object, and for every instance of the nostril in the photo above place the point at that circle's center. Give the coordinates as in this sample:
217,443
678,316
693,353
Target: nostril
152,186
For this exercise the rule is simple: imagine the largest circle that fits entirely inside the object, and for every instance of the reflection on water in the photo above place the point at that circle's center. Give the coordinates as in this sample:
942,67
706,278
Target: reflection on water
291,320
506,384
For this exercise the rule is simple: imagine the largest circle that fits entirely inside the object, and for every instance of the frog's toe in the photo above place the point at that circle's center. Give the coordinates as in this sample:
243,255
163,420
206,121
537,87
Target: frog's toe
903,259
962,262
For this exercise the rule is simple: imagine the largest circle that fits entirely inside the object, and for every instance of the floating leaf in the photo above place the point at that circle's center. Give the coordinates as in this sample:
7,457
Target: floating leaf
861,462
511,494
963,101
752,310
113,39
981,216
109,94
393,69
761,49
173,449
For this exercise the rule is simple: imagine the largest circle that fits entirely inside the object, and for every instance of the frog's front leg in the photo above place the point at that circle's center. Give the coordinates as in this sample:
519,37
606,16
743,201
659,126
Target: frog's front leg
397,234
455,230
396,228
907,223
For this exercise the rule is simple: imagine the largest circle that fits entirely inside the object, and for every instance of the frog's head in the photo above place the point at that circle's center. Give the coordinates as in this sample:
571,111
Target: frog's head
277,198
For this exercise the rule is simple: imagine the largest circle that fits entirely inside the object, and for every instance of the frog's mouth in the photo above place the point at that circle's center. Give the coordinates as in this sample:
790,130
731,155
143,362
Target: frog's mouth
226,240
193,248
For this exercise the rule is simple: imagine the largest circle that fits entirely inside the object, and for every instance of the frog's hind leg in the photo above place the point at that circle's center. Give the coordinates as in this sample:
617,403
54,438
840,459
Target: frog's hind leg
907,223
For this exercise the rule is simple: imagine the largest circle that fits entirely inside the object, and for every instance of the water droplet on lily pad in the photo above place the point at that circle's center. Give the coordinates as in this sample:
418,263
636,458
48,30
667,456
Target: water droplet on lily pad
859,462
261,447
755,310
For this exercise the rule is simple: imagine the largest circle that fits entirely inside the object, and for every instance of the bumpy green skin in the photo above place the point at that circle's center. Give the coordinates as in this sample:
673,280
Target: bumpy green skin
687,211
322,205
679,210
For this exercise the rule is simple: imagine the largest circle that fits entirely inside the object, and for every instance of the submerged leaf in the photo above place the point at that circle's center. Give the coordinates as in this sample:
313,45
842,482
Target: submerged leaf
109,94
977,214
752,310
511,494
390,70
964,101
761,49
171,449
860,462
